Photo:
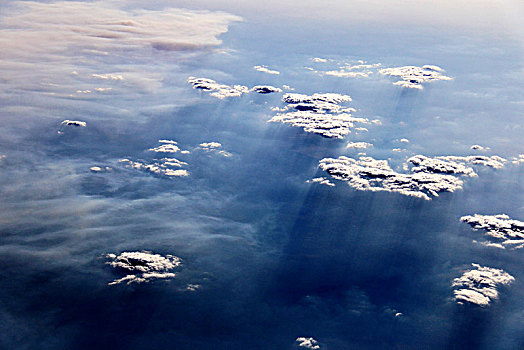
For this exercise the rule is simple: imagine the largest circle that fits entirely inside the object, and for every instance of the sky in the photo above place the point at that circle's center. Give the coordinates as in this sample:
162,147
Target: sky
140,209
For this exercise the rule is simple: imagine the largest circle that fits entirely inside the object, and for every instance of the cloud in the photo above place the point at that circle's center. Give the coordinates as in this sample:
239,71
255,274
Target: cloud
319,113
100,169
265,89
495,162
91,35
413,77
435,165
143,266
162,167
479,148
479,285
265,69
517,160
368,174
167,146
308,343
214,147
218,90
500,228
74,123
320,60
358,145
321,181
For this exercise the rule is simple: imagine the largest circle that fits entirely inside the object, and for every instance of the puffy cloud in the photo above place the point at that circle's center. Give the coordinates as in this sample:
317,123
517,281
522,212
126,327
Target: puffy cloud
493,161
319,113
143,266
74,123
265,89
435,165
358,145
308,343
162,167
517,160
265,69
479,148
318,59
359,70
219,90
167,146
321,181
479,285
413,77
214,147
100,169
500,228
368,174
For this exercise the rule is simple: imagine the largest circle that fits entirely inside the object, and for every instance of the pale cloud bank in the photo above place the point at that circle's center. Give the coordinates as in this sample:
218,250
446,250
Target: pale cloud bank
413,77
265,69
358,145
479,285
368,174
143,266
319,113
504,231
308,343
90,35
321,181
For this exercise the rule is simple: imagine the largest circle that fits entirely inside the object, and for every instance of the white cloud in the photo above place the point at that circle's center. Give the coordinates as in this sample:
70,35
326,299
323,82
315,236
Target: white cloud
479,148
321,181
143,266
435,165
167,146
100,169
265,89
517,160
495,162
214,147
413,77
358,145
74,123
368,174
318,113
479,285
501,228
308,343
162,167
218,90
320,60
265,69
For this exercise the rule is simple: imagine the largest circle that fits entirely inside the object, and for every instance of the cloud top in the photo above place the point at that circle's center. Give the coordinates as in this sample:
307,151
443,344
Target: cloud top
413,77
479,286
143,266
501,229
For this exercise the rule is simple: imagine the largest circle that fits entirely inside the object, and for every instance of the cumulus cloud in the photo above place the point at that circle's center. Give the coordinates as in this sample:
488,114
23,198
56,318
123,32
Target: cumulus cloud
100,169
265,89
495,162
413,76
368,174
319,59
321,181
307,343
218,90
479,285
359,70
319,113
265,69
517,160
167,146
506,232
435,165
358,145
90,35
162,167
479,148
143,266
74,123
214,147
